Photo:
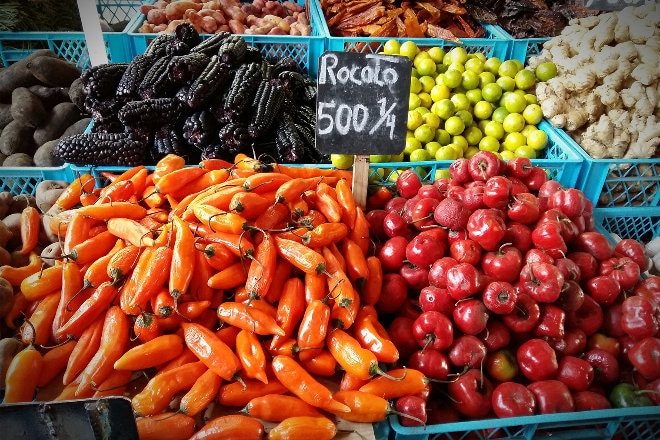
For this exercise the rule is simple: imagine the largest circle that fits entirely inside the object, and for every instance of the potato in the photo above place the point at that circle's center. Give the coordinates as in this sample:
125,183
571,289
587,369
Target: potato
18,160
77,127
5,115
27,108
9,347
18,75
44,156
22,201
77,95
59,118
17,138
54,72
47,192
6,234
18,259
13,224
5,257
6,199
52,253
50,96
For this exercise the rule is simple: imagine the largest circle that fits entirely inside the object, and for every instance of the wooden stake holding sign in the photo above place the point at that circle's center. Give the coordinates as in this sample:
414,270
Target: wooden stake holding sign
361,109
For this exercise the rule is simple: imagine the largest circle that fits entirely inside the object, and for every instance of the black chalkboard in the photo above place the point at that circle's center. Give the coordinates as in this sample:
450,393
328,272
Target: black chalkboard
613,5
362,103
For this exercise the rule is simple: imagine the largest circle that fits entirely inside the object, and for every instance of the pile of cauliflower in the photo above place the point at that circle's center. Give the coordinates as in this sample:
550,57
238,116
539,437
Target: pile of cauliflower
605,94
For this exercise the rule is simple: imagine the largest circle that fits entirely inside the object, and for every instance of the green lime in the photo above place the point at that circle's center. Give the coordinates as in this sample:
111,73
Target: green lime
424,133
442,137
473,95
491,92
489,143
507,155
452,78
379,158
432,119
415,119
525,79
526,151
427,82
458,54
482,110
445,108
425,99
508,68
460,142
514,103
425,65
436,53
342,161
492,65
486,78
391,47
499,114
461,102
415,85
432,147
439,92
446,152
537,140
412,144
546,71
409,49
513,141
513,122
533,114
473,135
414,101
494,129
420,155
470,80
531,98
454,125
507,83
470,152
474,65
441,174
466,116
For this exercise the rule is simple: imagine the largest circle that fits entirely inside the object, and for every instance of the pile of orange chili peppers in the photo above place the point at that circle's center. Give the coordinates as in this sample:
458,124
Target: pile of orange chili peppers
237,283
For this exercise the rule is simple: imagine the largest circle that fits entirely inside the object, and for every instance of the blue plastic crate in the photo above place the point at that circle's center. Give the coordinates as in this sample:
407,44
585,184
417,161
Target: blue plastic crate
495,44
561,162
617,182
523,49
72,46
305,50
642,224
24,180
641,423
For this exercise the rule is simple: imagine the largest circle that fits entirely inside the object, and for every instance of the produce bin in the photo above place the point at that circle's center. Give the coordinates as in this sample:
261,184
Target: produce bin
305,50
495,44
24,180
72,46
561,161
524,48
623,423
642,224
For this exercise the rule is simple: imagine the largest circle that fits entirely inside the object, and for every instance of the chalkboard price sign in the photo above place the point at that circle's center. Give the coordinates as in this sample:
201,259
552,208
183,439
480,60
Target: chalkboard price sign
362,103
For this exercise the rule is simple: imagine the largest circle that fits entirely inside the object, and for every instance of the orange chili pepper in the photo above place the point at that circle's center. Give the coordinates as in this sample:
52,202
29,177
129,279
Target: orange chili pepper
146,327
334,261
372,335
351,382
210,349
277,407
165,426
398,382
131,231
87,345
272,217
314,325
351,356
114,338
346,202
294,189
96,272
117,191
360,231
315,287
325,234
127,176
70,197
218,256
15,275
18,307
282,273
152,198
327,205
40,323
218,199
347,301
197,311
261,269
184,358
93,248
23,375
105,211
199,288
89,310
114,385
299,255
182,266
77,231
232,426
356,263
252,356
248,318
146,279
300,428
152,353
230,277
177,179
290,308
238,244
250,204
40,284
365,407
30,226
209,178
299,382
167,164
297,171
261,183
201,394
158,392
239,394
373,285
322,364
219,220
122,263
55,360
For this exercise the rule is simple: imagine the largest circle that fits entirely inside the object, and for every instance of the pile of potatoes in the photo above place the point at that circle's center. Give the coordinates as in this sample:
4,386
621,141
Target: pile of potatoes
11,207
41,100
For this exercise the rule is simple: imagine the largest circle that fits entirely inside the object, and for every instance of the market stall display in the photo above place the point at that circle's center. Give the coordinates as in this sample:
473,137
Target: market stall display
247,295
